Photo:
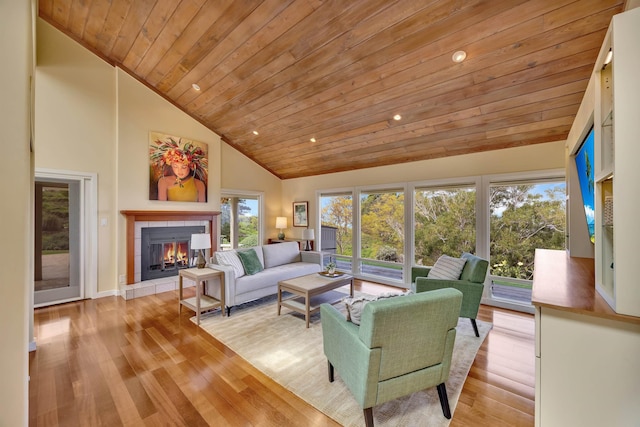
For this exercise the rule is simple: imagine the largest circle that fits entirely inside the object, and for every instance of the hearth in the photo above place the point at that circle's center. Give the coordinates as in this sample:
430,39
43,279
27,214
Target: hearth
166,250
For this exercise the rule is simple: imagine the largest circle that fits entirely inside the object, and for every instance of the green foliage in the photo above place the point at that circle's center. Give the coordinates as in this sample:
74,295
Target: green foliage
444,224
249,241
382,223
522,221
51,223
387,253
55,219
338,213
247,225
57,241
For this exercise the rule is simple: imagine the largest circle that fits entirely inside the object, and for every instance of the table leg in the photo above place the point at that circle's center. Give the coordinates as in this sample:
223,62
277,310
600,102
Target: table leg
198,283
307,305
179,295
222,296
351,286
279,299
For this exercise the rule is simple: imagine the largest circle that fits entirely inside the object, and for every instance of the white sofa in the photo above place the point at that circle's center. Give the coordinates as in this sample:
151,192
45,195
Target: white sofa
280,261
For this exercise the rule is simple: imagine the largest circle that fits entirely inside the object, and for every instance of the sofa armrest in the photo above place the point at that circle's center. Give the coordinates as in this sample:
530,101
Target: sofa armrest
419,271
229,283
471,292
314,257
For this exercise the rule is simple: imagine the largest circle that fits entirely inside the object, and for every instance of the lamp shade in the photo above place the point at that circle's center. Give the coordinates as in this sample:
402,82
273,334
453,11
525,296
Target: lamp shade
281,222
308,234
201,241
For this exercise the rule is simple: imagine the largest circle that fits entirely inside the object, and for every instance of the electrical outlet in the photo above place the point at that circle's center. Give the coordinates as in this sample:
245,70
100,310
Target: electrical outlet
123,278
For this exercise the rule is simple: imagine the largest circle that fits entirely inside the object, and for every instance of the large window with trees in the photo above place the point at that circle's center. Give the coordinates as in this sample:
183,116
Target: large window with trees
336,234
444,222
524,216
502,218
239,221
382,233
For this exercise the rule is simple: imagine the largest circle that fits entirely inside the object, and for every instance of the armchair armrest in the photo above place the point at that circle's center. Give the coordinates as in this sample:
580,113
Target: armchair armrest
356,363
419,271
471,292
314,257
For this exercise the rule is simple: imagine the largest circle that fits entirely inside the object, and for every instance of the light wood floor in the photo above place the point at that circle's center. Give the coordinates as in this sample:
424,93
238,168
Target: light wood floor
114,362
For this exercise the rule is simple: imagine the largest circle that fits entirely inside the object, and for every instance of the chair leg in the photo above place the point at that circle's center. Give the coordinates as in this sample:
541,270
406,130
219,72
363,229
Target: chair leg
444,401
475,326
330,367
368,417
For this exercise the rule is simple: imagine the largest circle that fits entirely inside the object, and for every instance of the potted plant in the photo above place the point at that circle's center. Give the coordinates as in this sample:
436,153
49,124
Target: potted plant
330,267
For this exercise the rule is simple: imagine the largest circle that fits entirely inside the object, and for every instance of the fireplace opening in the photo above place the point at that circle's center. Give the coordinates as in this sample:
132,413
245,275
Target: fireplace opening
166,250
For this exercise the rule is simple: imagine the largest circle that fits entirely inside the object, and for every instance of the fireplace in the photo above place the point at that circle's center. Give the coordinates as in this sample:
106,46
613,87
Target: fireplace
165,250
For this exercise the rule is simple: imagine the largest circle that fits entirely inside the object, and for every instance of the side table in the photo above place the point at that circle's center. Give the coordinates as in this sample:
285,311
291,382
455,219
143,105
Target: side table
201,302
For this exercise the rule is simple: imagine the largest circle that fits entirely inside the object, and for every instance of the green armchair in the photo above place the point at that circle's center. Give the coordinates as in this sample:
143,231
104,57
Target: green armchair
471,284
403,345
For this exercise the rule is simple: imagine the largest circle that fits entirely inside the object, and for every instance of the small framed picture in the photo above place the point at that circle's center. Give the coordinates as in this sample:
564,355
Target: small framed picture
300,214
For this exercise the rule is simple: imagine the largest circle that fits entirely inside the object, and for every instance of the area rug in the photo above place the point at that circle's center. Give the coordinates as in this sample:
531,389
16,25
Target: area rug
285,350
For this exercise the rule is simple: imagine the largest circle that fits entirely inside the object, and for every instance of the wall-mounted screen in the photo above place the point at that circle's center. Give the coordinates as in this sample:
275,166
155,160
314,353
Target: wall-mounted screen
584,164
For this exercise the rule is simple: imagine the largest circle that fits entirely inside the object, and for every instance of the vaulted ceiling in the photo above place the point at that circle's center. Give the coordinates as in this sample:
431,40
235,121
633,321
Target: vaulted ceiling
320,81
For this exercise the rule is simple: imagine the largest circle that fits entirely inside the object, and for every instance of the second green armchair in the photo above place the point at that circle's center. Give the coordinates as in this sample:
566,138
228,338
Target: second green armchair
470,283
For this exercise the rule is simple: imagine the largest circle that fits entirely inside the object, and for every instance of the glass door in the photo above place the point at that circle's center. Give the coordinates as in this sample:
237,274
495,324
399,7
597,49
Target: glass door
57,241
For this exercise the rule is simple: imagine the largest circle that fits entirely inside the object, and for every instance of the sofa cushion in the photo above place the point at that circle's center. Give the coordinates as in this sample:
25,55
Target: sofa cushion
231,258
281,253
269,278
250,261
447,268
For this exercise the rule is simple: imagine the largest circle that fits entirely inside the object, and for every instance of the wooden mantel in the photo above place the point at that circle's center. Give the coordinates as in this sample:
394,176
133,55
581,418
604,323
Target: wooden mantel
133,216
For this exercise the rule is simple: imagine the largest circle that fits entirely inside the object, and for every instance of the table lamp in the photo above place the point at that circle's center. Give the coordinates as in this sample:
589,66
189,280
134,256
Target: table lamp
200,242
281,222
308,234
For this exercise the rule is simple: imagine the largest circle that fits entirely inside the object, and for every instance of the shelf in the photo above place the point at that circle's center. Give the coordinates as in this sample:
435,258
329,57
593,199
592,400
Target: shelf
206,303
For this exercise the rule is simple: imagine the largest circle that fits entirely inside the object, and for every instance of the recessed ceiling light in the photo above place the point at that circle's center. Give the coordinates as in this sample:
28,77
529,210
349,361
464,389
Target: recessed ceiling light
459,56
312,140
255,132
195,86
397,117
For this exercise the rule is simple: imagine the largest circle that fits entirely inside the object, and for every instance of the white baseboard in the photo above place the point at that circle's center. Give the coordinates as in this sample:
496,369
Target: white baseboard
152,287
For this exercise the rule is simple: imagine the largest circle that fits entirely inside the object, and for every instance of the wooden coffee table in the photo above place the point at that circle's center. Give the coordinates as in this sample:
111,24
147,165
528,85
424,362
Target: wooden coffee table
310,291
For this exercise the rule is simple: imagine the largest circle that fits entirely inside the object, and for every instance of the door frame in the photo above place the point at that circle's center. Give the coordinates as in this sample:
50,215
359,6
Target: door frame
88,251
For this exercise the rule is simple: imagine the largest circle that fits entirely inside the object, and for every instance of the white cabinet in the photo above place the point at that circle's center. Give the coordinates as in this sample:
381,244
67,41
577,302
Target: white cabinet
617,165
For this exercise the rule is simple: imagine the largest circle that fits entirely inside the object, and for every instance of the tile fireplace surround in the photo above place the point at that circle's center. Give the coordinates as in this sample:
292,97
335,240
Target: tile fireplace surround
136,220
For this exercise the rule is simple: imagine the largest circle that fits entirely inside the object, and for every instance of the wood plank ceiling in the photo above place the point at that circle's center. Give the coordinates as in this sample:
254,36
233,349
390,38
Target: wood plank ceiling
338,71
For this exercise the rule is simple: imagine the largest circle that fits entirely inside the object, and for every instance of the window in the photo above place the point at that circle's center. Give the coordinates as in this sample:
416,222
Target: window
445,222
239,221
336,234
524,216
501,218
382,237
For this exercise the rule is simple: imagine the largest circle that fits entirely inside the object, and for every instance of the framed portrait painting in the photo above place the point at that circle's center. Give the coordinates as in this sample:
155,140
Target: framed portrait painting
300,214
178,168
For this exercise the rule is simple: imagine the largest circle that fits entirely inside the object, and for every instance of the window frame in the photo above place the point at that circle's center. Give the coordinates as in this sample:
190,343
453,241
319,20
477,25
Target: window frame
244,194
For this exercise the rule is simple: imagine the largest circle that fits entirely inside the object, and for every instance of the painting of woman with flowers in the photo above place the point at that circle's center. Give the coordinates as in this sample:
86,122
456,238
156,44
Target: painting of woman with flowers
178,169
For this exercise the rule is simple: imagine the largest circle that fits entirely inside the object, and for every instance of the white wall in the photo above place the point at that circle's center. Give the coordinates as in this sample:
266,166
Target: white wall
241,173
75,126
17,279
528,158
140,111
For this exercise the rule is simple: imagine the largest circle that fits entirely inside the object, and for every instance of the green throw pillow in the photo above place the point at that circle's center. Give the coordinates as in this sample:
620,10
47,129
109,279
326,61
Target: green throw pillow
250,261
